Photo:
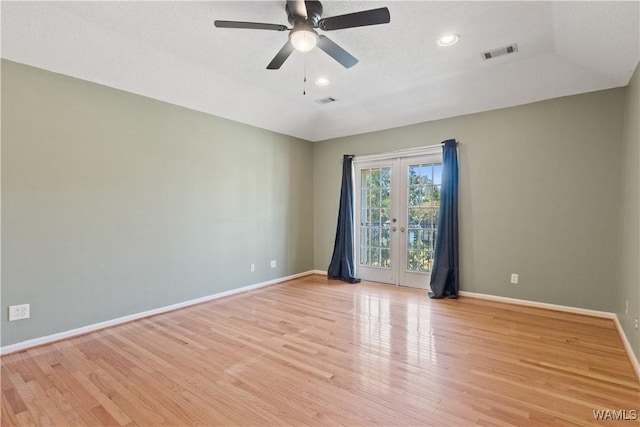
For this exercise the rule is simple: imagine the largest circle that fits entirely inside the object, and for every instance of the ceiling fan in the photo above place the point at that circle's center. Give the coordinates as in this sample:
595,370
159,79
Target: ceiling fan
304,16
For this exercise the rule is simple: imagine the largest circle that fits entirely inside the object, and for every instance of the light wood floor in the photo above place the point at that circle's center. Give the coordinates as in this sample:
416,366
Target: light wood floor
313,352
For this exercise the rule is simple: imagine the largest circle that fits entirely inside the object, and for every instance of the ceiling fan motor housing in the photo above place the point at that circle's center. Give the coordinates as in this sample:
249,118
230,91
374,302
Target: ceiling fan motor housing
314,12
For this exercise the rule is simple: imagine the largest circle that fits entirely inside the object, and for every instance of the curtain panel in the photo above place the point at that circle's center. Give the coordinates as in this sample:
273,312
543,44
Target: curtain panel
445,273
342,266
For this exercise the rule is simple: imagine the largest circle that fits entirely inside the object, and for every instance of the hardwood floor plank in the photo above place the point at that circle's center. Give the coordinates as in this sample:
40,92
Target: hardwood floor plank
317,352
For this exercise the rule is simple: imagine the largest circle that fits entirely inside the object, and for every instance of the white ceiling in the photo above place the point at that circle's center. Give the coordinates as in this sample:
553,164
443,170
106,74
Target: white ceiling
172,52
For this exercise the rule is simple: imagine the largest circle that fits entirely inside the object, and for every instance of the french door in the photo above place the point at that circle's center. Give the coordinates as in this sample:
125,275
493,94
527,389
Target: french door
397,205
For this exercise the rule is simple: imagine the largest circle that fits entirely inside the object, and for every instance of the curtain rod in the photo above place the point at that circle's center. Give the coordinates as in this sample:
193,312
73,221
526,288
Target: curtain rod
406,152
442,143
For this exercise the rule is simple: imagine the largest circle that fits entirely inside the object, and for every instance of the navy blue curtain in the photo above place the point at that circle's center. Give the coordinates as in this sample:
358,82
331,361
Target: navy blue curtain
445,272
342,262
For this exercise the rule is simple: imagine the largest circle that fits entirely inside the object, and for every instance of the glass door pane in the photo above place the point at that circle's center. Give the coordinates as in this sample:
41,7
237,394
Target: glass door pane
422,216
375,217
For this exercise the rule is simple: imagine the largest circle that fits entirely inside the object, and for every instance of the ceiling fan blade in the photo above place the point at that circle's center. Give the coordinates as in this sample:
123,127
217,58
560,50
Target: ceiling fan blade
298,7
336,52
281,56
357,19
249,25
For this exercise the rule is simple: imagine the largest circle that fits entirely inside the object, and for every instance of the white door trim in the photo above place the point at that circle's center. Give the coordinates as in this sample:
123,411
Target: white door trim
397,154
398,161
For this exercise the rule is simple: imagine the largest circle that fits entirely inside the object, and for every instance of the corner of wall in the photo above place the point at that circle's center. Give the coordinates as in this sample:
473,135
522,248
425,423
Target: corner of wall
628,285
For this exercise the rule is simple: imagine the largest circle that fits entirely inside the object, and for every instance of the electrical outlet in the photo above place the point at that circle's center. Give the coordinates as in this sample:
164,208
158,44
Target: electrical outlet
253,268
514,278
636,323
626,307
273,263
18,312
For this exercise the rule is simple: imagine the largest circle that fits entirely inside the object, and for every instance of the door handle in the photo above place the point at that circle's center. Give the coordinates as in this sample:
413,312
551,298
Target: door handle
393,229
402,229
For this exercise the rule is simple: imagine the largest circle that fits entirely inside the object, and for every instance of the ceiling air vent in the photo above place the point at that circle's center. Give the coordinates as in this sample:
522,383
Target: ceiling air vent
326,100
512,48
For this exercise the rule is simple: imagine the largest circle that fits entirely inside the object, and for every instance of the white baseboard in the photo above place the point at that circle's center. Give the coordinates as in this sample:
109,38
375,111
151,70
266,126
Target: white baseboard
556,307
627,346
321,272
595,313
25,345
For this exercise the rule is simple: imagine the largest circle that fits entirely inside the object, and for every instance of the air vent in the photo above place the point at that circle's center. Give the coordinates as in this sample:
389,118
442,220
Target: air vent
326,100
512,48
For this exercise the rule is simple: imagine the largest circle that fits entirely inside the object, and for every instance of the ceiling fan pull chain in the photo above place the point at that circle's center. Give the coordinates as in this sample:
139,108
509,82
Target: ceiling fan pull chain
304,82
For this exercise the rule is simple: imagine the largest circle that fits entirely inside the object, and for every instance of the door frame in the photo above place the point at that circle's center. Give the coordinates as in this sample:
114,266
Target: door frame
389,276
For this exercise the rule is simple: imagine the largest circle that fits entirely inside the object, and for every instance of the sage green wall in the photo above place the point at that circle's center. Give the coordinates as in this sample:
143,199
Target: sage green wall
538,195
630,211
114,204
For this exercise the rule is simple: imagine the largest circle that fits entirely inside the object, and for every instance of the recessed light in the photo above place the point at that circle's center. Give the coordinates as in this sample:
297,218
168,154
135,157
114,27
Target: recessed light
322,81
448,40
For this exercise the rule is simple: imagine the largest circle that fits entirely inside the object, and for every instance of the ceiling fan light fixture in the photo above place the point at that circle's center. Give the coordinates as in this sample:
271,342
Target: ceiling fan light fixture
448,40
303,39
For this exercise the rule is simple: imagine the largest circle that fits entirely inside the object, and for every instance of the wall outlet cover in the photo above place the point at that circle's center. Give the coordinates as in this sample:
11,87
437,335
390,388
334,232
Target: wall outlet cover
18,312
